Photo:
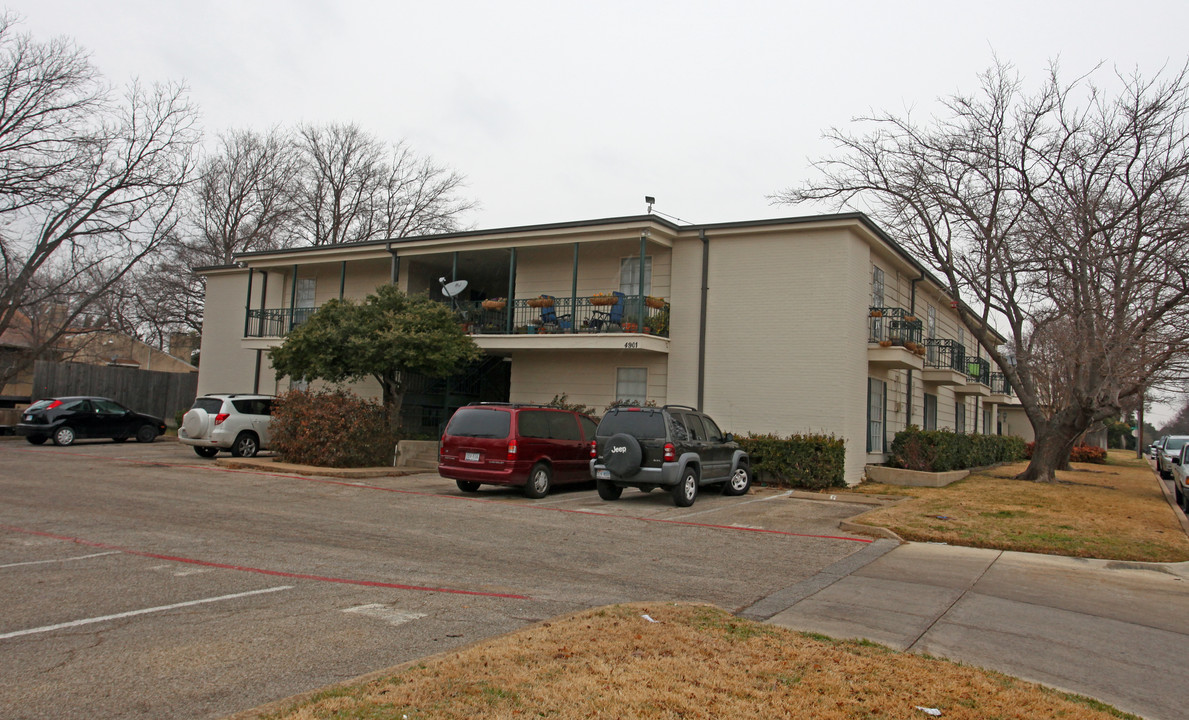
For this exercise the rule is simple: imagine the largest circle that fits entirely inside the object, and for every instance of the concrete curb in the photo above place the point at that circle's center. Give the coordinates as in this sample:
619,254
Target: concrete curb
873,530
1171,497
271,465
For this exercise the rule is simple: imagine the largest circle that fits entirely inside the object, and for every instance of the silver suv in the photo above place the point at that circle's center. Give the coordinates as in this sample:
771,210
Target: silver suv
238,423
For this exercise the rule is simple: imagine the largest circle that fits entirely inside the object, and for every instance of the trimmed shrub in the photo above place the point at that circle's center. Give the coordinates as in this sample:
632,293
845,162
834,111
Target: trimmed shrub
1078,453
330,428
804,461
945,450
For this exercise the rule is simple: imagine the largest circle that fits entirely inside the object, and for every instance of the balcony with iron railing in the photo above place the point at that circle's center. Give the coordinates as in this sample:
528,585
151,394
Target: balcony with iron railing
275,322
979,370
543,315
1000,385
895,339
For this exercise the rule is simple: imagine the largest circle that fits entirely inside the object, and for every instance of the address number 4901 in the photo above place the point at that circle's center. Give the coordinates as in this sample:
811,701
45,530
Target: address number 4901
631,344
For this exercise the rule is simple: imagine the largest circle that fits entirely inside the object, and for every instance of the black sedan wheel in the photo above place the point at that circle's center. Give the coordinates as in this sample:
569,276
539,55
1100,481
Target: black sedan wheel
64,436
36,439
206,452
146,433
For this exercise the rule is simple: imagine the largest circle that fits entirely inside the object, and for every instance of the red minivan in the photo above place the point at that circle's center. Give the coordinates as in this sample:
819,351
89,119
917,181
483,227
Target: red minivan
511,444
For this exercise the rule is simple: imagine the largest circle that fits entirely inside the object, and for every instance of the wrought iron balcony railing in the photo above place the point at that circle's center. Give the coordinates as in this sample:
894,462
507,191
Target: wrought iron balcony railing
978,370
945,354
275,322
1000,385
895,326
564,315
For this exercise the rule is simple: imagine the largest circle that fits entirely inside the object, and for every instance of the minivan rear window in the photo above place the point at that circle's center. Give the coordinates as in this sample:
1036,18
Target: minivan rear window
638,424
480,423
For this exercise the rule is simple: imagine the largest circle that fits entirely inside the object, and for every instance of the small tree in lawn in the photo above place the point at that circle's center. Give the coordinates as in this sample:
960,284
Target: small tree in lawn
388,336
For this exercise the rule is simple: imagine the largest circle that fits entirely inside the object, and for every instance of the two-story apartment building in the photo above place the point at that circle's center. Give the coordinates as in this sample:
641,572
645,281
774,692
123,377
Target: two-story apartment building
807,324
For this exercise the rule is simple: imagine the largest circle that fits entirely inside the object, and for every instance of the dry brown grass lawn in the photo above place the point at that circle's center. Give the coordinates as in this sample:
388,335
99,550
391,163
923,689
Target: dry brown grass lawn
695,662
1114,511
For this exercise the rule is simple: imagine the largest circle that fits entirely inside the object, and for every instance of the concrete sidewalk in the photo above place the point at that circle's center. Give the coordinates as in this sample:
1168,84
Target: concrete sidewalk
1111,630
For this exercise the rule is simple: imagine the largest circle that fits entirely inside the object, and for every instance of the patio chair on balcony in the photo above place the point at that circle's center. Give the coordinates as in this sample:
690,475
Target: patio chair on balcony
614,316
550,318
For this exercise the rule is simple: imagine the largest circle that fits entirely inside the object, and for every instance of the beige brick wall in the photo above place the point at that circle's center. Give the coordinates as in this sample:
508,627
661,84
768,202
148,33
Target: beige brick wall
225,365
587,378
786,334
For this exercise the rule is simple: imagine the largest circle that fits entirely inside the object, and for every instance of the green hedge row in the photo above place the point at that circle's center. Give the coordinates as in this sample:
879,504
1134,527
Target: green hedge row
805,461
945,450
1078,453
330,428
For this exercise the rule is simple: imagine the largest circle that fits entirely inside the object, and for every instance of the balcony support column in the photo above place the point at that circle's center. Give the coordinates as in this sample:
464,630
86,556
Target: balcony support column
511,324
292,298
574,294
248,304
342,279
394,274
640,299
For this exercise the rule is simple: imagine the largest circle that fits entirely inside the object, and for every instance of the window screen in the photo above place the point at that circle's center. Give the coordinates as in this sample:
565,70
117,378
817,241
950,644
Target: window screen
631,385
629,275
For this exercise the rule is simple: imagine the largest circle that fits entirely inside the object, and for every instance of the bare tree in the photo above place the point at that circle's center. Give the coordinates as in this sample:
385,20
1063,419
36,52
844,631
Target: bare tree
90,182
1061,215
353,189
243,200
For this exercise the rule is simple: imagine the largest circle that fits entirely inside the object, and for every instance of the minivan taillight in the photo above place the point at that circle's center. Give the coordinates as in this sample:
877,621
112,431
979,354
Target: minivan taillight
594,448
511,450
670,452
221,417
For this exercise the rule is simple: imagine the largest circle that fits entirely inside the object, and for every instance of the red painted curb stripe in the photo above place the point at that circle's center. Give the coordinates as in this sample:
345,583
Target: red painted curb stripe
362,486
260,571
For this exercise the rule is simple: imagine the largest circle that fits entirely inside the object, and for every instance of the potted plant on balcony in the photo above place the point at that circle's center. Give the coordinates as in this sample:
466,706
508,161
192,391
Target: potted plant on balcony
876,313
539,302
603,299
655,303
495,304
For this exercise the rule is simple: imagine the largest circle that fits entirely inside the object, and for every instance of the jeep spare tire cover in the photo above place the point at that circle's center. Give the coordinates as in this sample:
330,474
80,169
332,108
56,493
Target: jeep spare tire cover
621,455
194,423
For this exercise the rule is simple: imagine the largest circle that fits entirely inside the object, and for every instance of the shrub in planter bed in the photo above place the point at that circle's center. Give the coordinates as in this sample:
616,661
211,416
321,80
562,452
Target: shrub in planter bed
330,428
945,450
804,461
1079,453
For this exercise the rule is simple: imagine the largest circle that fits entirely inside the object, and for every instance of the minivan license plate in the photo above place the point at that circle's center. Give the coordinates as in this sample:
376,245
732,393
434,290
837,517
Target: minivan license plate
603,474
472,457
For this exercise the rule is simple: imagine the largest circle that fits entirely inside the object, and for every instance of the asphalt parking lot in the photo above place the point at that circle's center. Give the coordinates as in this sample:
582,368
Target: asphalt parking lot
140,581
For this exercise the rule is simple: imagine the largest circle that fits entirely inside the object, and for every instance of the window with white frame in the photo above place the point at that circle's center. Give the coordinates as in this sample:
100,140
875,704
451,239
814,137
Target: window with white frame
876,414
960,417
305,292
877,286
629,275
987,429
631,385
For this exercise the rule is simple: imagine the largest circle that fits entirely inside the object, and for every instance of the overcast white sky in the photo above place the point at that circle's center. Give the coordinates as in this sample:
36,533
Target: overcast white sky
561,111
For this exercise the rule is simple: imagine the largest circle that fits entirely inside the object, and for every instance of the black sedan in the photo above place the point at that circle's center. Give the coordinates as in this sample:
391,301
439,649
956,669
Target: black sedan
67,419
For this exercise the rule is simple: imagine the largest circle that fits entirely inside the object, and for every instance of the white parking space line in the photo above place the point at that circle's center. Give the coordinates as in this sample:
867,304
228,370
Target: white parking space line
390,615
737,504
145,611
60,560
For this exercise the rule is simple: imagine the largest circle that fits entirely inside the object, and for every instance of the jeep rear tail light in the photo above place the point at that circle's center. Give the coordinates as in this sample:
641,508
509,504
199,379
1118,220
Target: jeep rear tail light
594,449
221,417
511,450
670,452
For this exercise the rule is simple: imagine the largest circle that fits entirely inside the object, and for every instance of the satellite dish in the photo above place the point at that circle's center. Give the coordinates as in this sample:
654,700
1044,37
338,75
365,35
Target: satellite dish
453,289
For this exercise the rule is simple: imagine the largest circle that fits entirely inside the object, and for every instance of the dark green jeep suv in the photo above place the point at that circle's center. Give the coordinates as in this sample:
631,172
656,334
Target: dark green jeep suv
674,447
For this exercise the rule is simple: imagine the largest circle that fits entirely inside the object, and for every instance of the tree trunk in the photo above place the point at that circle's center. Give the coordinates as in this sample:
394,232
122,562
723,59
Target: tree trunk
393,399
1050,453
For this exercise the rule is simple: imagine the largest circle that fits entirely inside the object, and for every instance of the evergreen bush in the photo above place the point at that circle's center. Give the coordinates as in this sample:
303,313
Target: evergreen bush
803,461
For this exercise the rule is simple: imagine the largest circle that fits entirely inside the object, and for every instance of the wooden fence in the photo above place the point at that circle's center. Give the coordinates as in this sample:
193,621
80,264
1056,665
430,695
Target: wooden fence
147,391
